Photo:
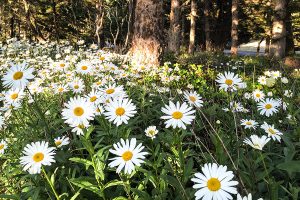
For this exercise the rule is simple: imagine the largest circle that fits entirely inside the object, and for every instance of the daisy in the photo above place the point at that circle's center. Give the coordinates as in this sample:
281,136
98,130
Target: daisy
228,81
14,95
215,182
59,142
249,123
59,89
120,110
94,97
262,80
151,132
79,129
271,131
77,85
257,142
193,98
112,91
268,107
249,197
17,76
178,115
84,67
258,95
128,155
78,110
3,146
99,110
36,155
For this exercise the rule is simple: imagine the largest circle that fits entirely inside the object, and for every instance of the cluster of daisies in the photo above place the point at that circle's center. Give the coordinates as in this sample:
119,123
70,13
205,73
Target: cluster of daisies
267,107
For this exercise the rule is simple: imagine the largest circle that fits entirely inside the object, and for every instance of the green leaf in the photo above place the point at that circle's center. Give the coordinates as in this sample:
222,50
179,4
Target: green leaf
142,195
113,183
85,162
84,182
290,166
76,194
5,196
120,198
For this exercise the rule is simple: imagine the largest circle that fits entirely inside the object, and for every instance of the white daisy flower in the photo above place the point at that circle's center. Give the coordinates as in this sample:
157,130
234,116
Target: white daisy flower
99,110
128,155
17,76
36,155
151,132
3,146
94,97
258,95
215,182
271,131
77,85
14,95
113,91
284,80
178,115
78,110
268,107
257,142
247,95
61,141
275,74
249,123
262,80
228,81
79,129
59,89
119,110
84,67
193,98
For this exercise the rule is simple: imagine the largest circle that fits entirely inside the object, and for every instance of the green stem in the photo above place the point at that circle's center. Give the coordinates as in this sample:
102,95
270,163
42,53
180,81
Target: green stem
265,167
51,185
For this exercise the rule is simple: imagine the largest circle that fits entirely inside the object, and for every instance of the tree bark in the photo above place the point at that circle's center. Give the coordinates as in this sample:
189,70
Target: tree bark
193,26
208,42
174,30
131,6
278,41
146,46
234,27
99,22
290,50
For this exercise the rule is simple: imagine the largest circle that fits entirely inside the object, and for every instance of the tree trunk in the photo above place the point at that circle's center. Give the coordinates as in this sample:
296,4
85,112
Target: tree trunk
234,27
12,26
278,41
55,20
174,30
131,5
290,50
99,22
193,26
208,43
147,42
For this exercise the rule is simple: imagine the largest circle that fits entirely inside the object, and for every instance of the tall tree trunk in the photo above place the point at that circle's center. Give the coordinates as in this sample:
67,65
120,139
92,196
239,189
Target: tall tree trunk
55,20
147,42
289,32
268,31
12,26
193,16
131,6
208,42
174,30
234,27
99,22
278,42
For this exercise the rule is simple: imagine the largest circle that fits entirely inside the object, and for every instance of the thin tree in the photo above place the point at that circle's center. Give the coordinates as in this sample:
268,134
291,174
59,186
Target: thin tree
147,42
175,28
99,21
208,43
234,27
193,16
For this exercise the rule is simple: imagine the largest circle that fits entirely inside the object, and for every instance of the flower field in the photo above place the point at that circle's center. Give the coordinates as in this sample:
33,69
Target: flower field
77,122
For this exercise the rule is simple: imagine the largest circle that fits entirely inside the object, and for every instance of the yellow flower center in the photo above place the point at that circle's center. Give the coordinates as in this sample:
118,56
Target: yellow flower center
257,95
213,184
127,155
38,157
81,126
102,58
78,111
14,96
152,132
93,99
98,83
257,146
76,86
272,131
62,65
58,142
18,75
177,115
84,67
192,98
228,82
248,123
1,146
268,106
120,111
110,91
